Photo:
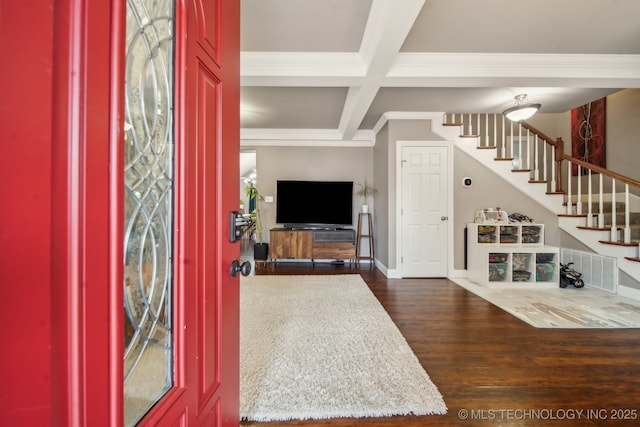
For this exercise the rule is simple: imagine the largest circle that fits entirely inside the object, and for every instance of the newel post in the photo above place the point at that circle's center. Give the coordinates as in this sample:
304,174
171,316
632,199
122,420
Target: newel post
559,155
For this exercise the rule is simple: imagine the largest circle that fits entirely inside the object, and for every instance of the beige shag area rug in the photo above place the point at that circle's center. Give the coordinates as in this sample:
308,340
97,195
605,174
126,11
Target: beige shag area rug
314,347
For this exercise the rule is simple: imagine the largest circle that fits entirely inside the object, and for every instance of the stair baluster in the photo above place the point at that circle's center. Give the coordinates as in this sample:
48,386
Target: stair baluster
589,201
504,145
627,216
536,168
601,204
553,184
486,129
569,195
614,227
579,191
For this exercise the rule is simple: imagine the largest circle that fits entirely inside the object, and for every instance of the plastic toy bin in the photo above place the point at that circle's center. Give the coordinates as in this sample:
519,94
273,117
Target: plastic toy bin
498,272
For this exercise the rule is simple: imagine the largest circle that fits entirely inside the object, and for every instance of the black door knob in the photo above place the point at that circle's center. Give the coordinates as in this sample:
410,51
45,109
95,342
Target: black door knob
244,268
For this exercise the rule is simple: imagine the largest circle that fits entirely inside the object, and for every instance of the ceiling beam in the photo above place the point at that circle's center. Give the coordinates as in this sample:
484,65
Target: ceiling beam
389,23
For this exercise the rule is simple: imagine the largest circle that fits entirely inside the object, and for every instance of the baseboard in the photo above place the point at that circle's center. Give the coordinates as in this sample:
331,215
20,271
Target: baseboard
397,274
628,292
458,274
389,273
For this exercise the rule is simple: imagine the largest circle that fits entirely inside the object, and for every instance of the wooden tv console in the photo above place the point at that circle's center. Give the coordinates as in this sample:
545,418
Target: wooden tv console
286,243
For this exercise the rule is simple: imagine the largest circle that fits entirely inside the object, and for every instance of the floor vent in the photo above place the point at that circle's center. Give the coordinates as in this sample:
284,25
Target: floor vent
597,270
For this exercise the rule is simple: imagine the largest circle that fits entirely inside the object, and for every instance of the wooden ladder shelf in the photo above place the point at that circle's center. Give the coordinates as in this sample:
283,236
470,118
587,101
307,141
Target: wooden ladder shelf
366,235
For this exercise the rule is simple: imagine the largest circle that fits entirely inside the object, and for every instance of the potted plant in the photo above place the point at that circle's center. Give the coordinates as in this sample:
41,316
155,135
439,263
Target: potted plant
365,191
260,249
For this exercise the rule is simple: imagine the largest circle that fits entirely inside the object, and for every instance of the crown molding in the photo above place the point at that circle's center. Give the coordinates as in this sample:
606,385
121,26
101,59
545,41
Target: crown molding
410,67
306,137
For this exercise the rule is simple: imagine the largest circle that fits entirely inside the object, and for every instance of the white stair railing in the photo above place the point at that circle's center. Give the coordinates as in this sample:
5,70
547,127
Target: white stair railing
532,153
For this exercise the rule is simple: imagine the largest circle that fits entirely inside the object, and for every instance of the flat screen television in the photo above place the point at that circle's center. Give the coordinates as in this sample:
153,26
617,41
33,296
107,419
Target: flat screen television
314,204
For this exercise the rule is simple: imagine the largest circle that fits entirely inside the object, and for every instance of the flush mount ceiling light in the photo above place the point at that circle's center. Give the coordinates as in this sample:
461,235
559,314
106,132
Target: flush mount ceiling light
522,110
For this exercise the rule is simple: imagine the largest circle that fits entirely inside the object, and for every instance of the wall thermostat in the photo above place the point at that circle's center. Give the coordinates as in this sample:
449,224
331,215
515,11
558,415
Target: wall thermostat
467,182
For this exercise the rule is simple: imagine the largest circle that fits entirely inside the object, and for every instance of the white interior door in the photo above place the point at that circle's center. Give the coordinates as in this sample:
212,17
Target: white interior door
424,210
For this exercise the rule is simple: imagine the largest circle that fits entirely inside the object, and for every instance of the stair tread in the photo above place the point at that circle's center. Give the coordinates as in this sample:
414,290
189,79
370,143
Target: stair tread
616,243
630,258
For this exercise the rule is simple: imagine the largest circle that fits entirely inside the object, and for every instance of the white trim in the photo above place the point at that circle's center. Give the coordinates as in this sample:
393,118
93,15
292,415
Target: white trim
434,69
400,144
405,115
608,70
305,137
628,292
458,274
303,143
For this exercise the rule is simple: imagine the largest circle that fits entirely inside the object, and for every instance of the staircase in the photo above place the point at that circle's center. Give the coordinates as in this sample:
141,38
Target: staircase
595,206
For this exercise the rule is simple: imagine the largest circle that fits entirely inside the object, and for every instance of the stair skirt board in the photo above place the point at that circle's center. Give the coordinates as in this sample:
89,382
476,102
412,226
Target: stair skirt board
599,271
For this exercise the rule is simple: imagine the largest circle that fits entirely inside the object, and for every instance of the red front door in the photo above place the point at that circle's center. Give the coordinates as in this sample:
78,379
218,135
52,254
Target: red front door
207,188
61,160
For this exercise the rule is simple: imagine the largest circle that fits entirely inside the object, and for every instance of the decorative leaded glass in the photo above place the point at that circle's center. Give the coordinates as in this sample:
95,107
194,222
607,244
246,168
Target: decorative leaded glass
148,205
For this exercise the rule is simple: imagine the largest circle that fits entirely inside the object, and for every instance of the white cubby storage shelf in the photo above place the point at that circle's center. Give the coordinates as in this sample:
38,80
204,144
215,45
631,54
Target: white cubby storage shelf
511,255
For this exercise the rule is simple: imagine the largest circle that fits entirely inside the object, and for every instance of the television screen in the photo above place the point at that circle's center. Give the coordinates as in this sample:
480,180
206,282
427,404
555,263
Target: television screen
323,204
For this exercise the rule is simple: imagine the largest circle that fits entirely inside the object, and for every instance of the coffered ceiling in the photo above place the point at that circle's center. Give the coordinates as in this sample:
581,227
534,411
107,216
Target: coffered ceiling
327,71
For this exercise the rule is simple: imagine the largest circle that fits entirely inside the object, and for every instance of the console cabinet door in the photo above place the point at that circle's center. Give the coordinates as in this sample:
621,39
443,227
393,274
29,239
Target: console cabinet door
302,244
278,244
292,244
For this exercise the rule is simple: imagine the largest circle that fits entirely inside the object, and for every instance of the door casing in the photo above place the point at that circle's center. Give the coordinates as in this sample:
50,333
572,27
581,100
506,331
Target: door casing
400,144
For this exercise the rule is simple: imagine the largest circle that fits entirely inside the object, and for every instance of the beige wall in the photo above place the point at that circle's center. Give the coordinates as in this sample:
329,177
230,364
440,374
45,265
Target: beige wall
309,163
490,191
623,139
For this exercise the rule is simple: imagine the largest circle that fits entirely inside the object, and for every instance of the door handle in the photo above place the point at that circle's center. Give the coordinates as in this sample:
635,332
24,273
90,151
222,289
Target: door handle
237,225
236,267
444,218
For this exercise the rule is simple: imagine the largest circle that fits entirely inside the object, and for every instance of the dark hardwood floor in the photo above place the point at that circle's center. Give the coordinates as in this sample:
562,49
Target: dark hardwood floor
493,369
